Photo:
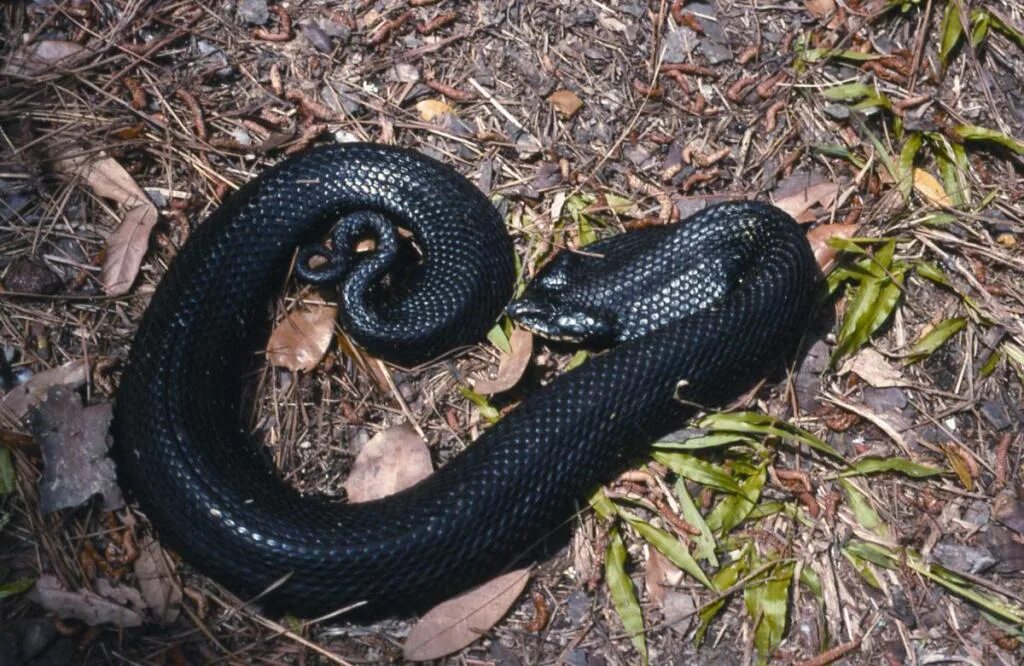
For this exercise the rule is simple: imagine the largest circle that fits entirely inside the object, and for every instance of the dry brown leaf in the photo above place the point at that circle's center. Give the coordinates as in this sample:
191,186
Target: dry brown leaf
872,367
22,398
392,460
818,237
83,605
40,57
432,108
299,341
566,102
820,8
512,365
456,623
798,203
158,583
127,245
930,188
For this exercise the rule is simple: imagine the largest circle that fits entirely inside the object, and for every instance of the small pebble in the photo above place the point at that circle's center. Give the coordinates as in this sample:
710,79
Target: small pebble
253,11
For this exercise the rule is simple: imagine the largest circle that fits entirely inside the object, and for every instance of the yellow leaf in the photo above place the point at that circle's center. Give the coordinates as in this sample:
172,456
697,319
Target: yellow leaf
930,188
566,102
432,108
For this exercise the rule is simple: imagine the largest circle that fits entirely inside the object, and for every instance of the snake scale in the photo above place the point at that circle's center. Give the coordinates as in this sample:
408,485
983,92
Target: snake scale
698,311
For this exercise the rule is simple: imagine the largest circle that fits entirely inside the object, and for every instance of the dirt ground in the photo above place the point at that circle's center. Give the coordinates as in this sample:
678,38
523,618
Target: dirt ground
876,518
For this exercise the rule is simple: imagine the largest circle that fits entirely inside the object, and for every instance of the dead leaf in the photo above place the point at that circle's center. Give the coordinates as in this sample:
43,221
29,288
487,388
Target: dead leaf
511,367
127,245
74,441
432,108
798,193
21,398
930,188
40,57
872,367
83,605
659,575
820,8
160,586
566,102
818,237
300,340
392,460
456,623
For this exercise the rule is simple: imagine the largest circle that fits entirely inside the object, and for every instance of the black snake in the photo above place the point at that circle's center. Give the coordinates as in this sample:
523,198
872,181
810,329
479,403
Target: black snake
699,310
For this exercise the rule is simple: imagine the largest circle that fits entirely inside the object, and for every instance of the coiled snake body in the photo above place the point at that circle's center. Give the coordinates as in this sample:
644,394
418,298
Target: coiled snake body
699,308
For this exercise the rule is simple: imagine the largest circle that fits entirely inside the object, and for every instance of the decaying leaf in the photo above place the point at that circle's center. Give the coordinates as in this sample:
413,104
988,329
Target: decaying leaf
820,8
929,187
21,398
40,57
662,579
432,108
158,582
456,623
872,367
566,102
512,365
299,341
392,460
74,440
798,193
818,237
128,243
83,605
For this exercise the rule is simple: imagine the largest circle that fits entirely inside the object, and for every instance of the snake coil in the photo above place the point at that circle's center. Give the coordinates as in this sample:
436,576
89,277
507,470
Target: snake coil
699,308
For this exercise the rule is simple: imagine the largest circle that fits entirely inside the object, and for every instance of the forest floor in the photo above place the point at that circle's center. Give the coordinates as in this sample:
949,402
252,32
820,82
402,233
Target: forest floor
865,508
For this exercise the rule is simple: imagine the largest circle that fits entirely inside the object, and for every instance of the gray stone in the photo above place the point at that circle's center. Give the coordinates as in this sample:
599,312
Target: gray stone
253,11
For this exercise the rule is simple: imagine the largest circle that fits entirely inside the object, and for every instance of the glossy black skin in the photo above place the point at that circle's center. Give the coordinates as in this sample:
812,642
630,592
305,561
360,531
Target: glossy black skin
210,496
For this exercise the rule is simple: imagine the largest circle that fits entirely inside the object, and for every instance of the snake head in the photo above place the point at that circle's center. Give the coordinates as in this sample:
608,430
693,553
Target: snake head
554,306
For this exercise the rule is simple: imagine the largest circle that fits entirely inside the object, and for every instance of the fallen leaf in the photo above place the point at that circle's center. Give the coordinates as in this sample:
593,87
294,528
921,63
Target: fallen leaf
83,605
511,367
456,623
432,108
392,460
819,236
40,57
872,367
300,340
660,575
566,102
930,188
74,441
157,581
799,192
820,8
127,245
21,398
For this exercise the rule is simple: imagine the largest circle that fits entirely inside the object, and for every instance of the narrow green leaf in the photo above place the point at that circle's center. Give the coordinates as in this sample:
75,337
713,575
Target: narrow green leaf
16,586
952,31
722,579
907,156
935,338
623,595
602,505
810,578
894,464
1007,30
863,567
703,543
872,552
705,442
669,546
748,423
577,360
976,133
767,602
486,409
964,588
930,271
497,337
862,510
698,470
980,23
7,482
848,92
734,509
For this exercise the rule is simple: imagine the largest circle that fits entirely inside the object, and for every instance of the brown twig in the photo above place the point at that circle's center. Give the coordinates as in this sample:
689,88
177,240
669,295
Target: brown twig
436,23
452,92
384,30
283,33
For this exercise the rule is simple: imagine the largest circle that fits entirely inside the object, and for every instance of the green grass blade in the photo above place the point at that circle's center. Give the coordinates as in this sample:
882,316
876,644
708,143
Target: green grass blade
620,586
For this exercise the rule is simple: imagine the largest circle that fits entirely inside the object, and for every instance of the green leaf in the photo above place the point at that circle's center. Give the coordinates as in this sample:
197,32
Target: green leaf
486,409
862,510
747,423
767,602
703,543
976,133
497,337
871,305
935,338
1007,30
669,546
698,470
980,23
964,588
952,31
930,271
705,442
875,465
863,567
577,360
7,482
734,509
722,579
907,156
16,586
873,552
603,507
623,595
